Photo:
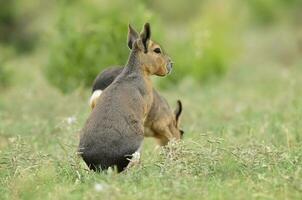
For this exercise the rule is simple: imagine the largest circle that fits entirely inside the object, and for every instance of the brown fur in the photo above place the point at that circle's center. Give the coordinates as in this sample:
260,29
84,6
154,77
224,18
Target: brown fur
161,122
115,128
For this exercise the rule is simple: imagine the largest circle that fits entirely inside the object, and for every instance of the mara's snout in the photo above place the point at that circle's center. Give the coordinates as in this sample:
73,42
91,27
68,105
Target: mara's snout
169,67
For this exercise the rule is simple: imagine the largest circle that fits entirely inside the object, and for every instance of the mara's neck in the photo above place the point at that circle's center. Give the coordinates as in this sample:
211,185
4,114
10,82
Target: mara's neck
134,65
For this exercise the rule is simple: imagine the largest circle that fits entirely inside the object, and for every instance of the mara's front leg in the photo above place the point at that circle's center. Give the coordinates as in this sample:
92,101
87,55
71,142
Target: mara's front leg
163,136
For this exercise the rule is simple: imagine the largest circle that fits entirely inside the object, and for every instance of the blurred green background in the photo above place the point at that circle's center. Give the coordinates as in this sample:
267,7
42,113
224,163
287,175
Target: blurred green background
76,39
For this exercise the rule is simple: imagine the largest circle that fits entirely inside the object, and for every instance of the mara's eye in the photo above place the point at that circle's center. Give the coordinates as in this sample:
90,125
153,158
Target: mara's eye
157,50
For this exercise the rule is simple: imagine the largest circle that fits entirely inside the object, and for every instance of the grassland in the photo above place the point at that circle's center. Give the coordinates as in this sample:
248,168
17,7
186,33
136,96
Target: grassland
242,141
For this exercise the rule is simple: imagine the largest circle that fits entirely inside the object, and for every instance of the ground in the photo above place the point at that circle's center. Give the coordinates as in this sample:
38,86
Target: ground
242,140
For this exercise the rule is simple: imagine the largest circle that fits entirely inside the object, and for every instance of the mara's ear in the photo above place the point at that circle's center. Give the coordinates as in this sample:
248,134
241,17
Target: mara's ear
132,36
145,36
178,112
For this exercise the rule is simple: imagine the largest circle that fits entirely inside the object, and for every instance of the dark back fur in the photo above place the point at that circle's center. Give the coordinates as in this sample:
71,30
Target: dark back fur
106,77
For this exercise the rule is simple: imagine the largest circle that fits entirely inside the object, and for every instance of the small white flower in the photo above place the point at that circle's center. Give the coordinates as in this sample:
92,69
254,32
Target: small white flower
99,187
71,120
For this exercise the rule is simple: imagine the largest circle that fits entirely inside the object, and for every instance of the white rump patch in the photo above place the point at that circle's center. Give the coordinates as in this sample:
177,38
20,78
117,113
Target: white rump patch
96,94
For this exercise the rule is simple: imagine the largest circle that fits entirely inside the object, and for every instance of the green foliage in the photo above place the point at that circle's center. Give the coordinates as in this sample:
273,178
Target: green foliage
5,72
211,45
15,24
266,12
214,40
91,35
5,76
93,38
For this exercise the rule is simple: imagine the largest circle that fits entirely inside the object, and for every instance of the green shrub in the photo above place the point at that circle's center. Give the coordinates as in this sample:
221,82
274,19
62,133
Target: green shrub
5,76
210,43
91,37
16,19
264,11
216,39
270,12
5,73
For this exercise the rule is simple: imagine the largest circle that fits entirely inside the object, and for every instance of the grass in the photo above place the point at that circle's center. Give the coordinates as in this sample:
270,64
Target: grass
242,141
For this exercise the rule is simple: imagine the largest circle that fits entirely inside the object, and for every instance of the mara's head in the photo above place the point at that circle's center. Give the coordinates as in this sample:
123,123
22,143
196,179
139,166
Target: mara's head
152,58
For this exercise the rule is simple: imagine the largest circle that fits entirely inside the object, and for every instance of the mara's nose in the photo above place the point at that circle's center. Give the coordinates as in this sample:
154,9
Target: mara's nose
169,67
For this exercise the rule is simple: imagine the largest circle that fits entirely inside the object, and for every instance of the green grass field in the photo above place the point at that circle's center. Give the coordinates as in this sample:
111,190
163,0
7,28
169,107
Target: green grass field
242,141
